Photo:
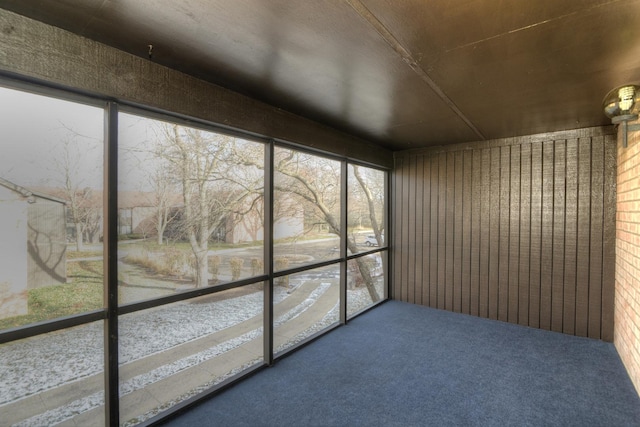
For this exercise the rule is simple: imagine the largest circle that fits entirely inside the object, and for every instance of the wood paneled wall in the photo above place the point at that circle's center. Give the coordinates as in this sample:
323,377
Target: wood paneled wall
520,230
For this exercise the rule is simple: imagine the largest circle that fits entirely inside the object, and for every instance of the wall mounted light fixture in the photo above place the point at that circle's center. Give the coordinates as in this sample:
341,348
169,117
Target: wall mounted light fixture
621,105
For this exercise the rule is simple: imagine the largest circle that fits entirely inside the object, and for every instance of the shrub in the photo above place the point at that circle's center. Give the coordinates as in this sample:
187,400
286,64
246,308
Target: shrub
214,266
176,262
282,263
236,267
170,262
256,266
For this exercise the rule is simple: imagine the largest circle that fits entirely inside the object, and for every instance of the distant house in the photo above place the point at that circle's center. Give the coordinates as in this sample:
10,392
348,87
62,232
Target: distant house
288,222
33,245
138,211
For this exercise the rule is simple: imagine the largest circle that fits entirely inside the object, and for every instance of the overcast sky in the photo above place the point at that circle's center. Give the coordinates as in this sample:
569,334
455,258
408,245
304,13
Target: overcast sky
34,129
38,132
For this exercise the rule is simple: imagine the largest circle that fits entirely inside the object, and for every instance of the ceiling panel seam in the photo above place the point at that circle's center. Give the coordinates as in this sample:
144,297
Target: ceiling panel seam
407,57
534,25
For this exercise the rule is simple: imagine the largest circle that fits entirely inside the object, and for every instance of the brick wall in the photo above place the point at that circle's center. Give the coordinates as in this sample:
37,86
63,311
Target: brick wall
627,283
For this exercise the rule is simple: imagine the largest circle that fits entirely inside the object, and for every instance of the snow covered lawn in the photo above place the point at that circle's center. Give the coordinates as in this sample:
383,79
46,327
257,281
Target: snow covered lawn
61,358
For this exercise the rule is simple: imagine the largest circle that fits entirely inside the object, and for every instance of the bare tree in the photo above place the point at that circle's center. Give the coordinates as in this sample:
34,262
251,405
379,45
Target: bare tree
367,190
164,199
212,185
313,180
81,201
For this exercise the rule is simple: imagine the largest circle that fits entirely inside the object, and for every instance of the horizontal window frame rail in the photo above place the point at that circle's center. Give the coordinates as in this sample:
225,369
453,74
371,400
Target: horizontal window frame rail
303,268
182,120
283,143
65,93
288,145
186,295
306,341
68,93
369,252
195,400
47,326
354,162
367,308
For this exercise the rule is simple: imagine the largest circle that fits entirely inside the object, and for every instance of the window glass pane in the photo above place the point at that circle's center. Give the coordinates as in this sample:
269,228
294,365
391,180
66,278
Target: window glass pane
305,303
306,209
171,353
51,208
190,208
366,215
365,281
54,378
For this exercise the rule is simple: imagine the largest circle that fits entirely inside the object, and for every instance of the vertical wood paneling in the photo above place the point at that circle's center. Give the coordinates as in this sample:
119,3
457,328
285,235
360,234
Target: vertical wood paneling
514,235
484,232
595,253
546,256
584,231
525,233
449,288
521,231
494,230
419,212
397,228
476,214
536,235
467,250
442,228
426,231
609,238
557,280
409,214
571,239
504,233
458,211
406,177
435,212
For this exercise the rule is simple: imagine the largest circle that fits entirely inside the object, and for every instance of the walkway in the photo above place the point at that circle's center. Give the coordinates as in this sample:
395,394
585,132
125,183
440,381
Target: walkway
176,373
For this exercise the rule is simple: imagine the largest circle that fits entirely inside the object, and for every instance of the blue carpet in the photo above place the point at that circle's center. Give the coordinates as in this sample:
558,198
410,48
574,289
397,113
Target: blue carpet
406,365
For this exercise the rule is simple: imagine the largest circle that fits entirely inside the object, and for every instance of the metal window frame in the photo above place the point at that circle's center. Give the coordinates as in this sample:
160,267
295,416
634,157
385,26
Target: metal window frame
112,311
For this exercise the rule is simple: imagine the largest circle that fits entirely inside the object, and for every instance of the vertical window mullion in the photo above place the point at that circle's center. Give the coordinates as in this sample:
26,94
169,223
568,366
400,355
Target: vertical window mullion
110,244
387,233
343,241
268,251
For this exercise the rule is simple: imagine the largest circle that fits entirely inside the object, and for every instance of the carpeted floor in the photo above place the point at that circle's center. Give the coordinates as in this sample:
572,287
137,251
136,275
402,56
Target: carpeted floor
406,365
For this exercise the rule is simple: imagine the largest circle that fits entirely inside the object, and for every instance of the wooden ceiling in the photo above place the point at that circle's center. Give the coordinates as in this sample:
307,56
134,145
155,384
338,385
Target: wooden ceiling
402,74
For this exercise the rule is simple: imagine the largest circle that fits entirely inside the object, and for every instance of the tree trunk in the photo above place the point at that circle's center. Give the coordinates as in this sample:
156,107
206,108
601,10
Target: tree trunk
351,244
79,241
364,271
159,227
202,268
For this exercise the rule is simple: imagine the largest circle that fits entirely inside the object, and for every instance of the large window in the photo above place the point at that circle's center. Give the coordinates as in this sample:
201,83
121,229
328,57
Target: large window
306,208
51,208
51,263
366,219
228,252
190,208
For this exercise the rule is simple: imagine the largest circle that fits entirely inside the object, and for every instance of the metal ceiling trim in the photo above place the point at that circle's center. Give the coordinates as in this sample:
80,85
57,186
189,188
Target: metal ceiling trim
407,57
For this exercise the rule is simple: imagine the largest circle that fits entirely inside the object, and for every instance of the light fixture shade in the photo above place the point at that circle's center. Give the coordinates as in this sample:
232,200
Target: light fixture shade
622,101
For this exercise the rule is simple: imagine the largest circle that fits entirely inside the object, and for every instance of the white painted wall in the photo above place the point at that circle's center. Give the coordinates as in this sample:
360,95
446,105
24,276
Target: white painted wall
13,253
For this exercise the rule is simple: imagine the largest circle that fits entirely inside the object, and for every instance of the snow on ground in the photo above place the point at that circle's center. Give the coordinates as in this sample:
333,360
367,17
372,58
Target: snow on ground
52,360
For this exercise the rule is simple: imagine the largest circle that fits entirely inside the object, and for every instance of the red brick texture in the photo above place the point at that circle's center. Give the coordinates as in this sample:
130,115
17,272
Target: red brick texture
627,291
